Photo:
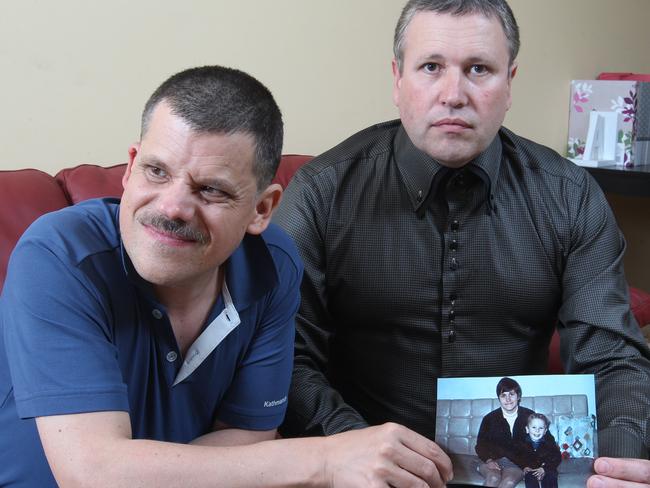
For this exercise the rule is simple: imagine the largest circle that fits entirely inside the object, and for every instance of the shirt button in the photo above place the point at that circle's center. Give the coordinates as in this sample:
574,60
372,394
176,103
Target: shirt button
454,264
455,225
452,314
452,336
171,356
453,245
157,314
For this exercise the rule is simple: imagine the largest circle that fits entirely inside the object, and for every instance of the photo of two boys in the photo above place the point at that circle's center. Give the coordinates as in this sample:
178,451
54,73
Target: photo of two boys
532,431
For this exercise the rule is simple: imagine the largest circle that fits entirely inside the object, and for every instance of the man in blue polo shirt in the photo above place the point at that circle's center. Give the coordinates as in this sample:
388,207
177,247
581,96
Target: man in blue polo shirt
149,341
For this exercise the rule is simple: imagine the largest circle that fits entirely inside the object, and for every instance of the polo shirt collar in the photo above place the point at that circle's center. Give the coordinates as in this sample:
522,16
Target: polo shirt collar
422,174
250,271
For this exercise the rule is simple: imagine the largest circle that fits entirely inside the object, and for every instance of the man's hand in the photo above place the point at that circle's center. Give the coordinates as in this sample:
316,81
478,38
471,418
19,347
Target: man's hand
538,473
490,464
383,456
620,473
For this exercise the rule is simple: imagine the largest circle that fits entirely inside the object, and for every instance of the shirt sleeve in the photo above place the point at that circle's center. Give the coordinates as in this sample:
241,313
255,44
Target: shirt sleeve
487,444
60,357
598,333
315,407
552,457
258,394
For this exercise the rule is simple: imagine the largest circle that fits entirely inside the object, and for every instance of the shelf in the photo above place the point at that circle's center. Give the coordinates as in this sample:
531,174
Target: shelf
632,182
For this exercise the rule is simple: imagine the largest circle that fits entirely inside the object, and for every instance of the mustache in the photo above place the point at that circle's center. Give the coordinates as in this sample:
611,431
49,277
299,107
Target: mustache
177,227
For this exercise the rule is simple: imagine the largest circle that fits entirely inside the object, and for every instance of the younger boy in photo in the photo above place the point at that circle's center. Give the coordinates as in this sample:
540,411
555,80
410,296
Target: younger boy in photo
539,455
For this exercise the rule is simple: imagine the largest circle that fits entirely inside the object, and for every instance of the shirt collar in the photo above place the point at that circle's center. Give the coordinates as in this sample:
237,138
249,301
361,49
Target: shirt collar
416,168
249,271
419,170
486,166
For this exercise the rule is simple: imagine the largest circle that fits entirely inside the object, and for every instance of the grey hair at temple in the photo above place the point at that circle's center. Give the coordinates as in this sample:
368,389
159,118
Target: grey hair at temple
489,8
215,99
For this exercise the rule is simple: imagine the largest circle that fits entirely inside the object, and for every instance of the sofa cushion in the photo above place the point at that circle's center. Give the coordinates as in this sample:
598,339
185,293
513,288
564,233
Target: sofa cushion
575,436
28,194
640,303
572,472
288,166
91,181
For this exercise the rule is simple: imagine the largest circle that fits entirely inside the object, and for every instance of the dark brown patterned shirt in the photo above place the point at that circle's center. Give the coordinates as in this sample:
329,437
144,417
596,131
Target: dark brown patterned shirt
414,272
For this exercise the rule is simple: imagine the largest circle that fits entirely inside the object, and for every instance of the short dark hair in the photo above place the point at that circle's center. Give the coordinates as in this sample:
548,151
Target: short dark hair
539,416
489,8
225,100
508,384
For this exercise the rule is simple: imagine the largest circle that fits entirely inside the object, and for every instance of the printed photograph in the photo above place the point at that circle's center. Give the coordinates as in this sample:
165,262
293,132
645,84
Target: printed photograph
524,431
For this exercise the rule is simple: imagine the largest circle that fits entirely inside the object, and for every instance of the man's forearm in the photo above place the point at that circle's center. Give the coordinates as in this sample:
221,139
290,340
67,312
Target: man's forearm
96,449
229,437
283,463
117,462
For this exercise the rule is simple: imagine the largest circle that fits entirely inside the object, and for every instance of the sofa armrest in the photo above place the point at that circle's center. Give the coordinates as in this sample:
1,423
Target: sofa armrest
640,305
28,194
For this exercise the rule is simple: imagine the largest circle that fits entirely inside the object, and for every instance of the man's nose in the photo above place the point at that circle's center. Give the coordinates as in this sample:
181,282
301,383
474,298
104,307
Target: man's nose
176,202
452,88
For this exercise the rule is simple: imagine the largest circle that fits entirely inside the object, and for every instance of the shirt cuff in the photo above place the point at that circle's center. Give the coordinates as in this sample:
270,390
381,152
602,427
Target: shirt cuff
620,443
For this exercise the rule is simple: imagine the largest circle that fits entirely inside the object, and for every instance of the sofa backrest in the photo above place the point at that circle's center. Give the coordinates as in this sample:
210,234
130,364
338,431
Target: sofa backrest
91,181
30,193
458,421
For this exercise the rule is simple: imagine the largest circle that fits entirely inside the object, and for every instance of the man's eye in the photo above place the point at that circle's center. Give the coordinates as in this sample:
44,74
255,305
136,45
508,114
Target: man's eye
212,192
431,67
156,172
478,69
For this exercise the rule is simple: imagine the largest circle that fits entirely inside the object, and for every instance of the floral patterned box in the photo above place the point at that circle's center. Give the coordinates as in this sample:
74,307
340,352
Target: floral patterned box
604,96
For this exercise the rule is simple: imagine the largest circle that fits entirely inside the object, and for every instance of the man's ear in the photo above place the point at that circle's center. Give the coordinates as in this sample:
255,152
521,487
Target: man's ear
267,202
512,71
133,152
397,77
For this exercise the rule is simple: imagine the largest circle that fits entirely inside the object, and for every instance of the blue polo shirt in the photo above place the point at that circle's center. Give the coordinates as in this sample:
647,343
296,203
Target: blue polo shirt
80,331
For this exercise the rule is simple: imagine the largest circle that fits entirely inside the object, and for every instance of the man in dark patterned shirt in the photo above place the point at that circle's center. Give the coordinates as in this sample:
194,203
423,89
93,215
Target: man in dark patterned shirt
442,244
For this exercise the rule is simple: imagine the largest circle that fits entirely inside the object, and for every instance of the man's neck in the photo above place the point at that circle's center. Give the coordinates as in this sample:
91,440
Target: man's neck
188,307
510,414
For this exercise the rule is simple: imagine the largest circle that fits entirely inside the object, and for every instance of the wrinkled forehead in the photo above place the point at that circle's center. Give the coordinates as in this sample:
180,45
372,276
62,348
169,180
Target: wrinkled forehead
469,31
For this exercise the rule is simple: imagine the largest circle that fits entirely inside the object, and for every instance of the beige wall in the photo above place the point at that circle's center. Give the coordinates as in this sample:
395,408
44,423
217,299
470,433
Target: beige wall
75,73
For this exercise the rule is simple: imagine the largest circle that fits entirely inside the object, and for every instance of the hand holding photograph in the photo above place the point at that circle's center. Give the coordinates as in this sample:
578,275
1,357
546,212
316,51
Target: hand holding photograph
532,431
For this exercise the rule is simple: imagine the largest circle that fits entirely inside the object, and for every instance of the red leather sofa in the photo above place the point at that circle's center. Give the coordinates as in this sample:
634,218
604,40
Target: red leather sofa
29,193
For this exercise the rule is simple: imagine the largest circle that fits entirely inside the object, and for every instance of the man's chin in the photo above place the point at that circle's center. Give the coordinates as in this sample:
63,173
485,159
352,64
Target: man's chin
452,158
162,278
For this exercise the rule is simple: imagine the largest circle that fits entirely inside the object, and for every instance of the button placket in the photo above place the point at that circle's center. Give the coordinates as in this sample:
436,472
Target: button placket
453,245
171,356
453,265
